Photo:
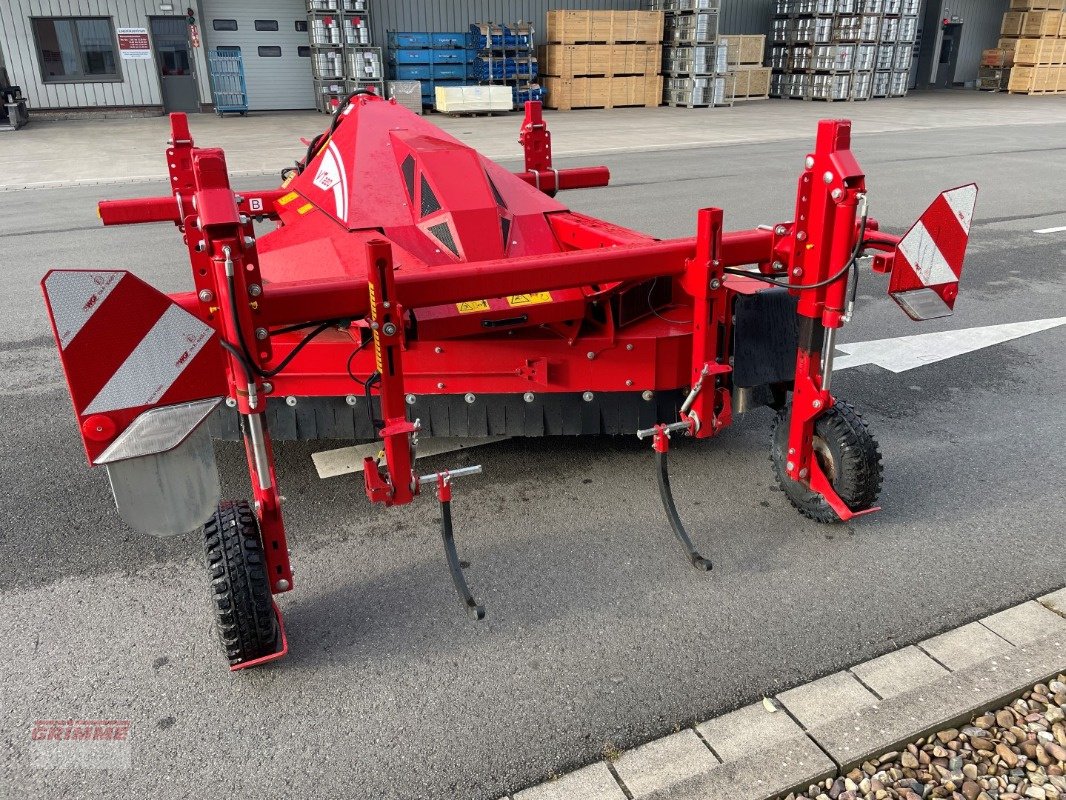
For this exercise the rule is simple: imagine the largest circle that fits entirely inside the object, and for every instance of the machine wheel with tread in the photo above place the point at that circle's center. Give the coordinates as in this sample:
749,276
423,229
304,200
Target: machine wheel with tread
848,454
240,587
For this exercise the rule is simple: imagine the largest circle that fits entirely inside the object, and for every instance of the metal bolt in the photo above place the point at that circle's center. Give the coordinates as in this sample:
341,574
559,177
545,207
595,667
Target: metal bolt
801,236
817,404
261,333
715,283
590,355
374,326
792,451
836,194
629,346
290,401
282,585
438,350
206,295
809,162
244,219
268,387
410,399
350,399
828,177
528,397
201,246
803,472
255,289
789,466
629,383
440,385
388,329
469,397
249,242
778,266
780,230
797,272
238,198
231,403
387,304
648,394
587,397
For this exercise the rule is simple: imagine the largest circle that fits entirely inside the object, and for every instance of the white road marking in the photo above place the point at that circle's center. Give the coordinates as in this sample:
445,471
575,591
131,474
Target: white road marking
344,460
908,352
1051,230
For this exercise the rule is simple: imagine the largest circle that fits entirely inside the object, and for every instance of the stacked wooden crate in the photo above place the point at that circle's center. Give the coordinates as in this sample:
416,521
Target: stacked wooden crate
1034,37
743,58
602,59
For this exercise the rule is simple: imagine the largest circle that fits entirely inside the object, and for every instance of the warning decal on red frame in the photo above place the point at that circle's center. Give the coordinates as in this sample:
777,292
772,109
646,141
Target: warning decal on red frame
531,299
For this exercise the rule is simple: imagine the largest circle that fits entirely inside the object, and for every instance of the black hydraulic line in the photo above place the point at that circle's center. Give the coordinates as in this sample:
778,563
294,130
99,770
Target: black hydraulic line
698,561
315,143
455,566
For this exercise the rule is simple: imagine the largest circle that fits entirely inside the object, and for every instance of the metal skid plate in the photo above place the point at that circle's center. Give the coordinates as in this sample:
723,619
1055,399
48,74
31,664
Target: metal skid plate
167,494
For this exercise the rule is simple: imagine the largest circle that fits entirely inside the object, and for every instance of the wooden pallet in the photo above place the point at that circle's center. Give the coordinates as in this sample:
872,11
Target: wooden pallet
565,94
605,27
600,60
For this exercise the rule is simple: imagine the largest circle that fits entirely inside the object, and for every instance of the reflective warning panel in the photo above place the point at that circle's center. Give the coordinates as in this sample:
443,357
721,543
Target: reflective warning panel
125,348
929,258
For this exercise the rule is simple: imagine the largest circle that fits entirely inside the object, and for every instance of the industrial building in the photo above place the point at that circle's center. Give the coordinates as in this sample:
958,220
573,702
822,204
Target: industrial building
152,56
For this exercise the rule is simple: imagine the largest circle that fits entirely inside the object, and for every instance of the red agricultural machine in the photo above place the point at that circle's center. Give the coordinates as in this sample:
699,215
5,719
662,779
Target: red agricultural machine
411,287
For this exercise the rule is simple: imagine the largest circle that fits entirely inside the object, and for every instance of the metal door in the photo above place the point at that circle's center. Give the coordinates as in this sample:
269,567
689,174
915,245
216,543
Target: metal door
174,61
949,54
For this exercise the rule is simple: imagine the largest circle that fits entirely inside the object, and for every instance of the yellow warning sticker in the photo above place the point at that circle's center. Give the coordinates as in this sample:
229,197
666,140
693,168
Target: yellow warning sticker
472,306
531,299
304,208
284,200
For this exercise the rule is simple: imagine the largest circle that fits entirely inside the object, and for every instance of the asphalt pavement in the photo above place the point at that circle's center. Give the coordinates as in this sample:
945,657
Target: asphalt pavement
599,635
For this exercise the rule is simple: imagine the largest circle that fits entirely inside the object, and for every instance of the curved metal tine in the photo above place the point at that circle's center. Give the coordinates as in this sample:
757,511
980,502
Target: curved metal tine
698,561
455,566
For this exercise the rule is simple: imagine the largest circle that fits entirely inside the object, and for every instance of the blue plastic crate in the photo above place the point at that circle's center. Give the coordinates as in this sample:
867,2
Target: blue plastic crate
498,69
412,72
459,40
411,56
452,56
409,39
445,72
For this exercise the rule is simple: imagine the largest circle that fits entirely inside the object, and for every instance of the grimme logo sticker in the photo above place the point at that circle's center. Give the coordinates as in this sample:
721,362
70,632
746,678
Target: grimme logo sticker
331,175
81,743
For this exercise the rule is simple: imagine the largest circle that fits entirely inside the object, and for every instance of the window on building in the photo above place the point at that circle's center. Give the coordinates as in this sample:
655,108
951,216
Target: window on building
303,51
266,24
270,51
76,49
230,50
301,26
224,24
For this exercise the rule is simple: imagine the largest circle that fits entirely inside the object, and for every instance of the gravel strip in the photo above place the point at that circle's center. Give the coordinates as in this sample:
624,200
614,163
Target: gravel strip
1015,753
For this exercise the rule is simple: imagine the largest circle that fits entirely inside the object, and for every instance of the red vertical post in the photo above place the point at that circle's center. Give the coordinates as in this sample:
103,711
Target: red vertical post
399,484
703,279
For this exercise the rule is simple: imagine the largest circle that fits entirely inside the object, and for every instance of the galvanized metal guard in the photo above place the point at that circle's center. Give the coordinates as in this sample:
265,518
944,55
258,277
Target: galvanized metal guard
227,82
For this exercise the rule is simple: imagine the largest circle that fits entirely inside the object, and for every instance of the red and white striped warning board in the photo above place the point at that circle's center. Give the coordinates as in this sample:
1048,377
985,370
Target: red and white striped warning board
929,258
127,347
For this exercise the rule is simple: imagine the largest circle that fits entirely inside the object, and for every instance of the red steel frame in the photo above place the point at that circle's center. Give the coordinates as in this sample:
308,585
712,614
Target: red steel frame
218,230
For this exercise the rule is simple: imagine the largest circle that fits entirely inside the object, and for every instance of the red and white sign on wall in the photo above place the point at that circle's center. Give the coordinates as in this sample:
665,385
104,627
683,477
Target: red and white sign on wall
133,43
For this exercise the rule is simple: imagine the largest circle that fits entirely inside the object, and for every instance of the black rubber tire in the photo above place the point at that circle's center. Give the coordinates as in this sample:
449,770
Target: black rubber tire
240,587
856,469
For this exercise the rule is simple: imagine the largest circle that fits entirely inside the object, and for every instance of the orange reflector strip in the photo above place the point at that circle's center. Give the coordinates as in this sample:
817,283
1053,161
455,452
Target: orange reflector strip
304,208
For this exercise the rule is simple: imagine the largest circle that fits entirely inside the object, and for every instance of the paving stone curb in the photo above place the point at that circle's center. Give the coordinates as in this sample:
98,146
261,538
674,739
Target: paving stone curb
824,728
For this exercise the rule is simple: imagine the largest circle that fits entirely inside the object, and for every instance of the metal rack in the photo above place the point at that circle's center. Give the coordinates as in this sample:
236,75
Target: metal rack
842,49
505,57
694,66
342,56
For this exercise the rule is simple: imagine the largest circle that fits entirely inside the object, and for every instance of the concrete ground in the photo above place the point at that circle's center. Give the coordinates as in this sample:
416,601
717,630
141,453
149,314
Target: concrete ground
52,153
599,636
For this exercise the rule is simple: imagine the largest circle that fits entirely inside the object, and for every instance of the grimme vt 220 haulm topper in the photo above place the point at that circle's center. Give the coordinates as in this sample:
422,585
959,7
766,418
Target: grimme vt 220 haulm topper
413,287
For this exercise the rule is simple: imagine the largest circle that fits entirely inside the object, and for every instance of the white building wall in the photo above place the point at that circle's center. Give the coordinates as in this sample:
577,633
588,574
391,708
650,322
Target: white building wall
140,78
